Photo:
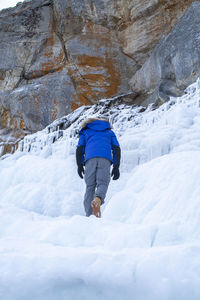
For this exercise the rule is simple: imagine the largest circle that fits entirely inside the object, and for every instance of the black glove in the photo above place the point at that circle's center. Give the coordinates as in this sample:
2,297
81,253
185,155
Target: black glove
81,171
115,173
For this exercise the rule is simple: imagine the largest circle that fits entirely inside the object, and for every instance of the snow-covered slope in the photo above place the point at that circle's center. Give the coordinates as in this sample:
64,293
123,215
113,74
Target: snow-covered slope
146,246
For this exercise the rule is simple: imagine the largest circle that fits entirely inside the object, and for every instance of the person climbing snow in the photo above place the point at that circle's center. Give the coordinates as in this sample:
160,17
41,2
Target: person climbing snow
97,149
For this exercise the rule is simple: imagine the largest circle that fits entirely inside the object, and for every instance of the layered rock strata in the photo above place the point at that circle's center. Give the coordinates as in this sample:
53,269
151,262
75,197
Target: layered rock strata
57,55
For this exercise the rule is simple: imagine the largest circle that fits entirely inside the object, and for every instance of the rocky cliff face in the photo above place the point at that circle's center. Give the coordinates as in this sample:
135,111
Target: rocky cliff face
56,55
174,63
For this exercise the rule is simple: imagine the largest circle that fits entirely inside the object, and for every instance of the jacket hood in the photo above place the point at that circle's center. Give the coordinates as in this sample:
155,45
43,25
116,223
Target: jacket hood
96,124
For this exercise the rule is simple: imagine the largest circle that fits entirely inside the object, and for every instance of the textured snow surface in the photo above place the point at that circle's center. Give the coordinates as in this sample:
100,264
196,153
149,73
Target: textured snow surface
147,244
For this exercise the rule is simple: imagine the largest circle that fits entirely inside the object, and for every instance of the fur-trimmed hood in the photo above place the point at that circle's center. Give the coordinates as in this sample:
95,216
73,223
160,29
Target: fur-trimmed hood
90,120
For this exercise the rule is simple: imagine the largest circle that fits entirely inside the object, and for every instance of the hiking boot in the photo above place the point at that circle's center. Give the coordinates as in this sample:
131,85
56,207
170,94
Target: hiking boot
96,204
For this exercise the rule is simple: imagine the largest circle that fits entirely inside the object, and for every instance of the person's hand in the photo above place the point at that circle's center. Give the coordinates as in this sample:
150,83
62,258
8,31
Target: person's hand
81,171
115,173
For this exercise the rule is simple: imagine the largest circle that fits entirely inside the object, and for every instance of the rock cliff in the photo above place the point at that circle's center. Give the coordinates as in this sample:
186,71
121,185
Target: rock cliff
56,55
174,63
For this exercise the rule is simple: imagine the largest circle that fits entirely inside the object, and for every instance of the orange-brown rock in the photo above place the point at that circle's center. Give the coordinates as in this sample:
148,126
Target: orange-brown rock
56,55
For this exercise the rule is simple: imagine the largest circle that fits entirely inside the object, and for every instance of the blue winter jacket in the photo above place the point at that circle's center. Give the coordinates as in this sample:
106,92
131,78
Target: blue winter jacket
98,140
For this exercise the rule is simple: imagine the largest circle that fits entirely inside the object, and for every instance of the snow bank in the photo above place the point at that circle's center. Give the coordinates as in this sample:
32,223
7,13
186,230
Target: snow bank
146,246
165,193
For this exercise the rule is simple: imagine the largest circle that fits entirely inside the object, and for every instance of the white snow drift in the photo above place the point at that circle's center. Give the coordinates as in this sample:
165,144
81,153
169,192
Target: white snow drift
146,246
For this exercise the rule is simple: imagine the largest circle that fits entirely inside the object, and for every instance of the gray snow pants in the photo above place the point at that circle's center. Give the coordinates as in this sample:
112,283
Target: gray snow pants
97,178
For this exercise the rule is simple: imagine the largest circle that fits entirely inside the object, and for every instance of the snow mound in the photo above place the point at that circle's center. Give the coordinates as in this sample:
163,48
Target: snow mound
146,246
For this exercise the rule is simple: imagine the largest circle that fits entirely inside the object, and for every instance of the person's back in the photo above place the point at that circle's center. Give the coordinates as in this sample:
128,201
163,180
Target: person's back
97,149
